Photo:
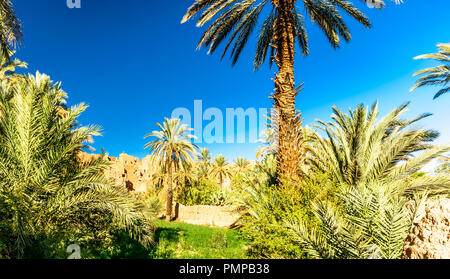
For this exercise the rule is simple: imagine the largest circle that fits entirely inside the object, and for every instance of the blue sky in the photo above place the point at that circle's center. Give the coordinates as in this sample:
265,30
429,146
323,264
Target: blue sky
133,63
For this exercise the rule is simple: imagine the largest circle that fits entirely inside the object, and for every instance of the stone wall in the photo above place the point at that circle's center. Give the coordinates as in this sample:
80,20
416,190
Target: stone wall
215,216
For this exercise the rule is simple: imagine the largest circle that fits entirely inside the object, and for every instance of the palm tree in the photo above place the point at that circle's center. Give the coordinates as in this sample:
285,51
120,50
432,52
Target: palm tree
220,169
158,176
171,148
281,28
203,164
10,29
241,165
43,186
8,69
359,149
372,222
439,75
184,177
205,156
379,201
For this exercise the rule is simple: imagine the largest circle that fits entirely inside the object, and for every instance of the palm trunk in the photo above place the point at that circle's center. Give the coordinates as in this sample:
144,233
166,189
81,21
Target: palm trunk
169,198
288,122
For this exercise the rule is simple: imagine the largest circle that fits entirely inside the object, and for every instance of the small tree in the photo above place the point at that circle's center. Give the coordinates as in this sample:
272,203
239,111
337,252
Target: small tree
220,169
241,165
171,148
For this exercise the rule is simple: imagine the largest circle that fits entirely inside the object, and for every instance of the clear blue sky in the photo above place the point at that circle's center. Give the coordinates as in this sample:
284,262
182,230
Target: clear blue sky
133,63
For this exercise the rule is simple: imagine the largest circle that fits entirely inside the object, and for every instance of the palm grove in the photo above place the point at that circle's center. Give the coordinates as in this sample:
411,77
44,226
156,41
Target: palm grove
355,193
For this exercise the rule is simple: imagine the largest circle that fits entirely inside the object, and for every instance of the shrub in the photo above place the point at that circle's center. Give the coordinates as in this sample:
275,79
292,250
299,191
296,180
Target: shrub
221,198
201,192
269,207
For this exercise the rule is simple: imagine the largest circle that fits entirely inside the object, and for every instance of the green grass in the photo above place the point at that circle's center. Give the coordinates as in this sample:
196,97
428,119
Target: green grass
184,241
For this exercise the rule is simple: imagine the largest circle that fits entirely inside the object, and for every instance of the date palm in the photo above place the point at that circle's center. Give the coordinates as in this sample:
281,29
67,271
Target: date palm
282,26
439,75
241,165
202,171
172,147
371,222
205,156
158,176
359,149
44,189
220,169
10,29
204,163
184,178
378,200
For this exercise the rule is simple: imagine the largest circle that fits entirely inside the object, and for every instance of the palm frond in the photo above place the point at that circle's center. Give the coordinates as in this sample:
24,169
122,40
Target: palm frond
439,75
10,29
237,19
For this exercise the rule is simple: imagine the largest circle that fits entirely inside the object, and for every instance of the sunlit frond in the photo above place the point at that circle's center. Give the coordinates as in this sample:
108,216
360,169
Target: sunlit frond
439,75
237,19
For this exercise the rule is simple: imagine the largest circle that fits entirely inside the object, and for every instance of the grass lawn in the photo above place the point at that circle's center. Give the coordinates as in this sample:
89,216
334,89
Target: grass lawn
184,241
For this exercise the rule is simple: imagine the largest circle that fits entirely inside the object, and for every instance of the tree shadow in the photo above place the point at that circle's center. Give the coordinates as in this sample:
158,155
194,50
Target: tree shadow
169,234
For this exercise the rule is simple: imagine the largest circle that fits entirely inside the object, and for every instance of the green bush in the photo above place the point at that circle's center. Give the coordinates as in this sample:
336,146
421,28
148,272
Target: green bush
221,198
270,206
201,192
263,226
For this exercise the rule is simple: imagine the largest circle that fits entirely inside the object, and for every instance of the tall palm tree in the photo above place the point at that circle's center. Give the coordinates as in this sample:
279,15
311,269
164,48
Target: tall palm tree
241,164
282,27
439,75
158,177
360,150
10,29
202,171
220,169
205,156
43,186
172,147
184,177
203,164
